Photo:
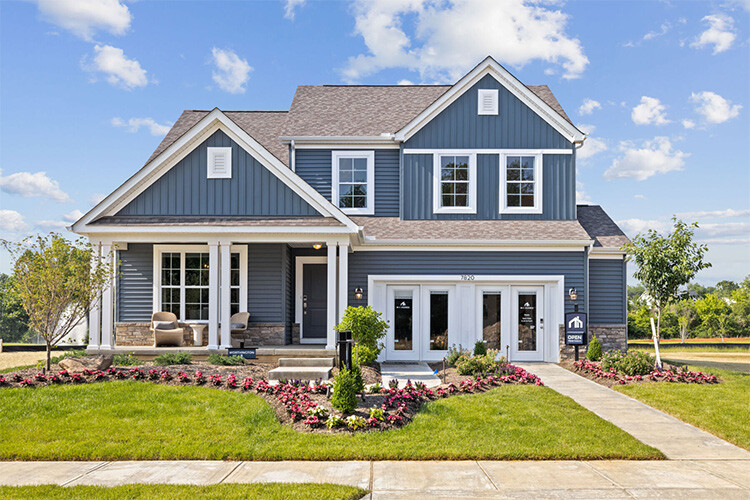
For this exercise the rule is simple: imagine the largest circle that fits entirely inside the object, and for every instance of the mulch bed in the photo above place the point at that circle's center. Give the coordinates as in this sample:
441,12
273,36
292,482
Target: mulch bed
302,406
669,373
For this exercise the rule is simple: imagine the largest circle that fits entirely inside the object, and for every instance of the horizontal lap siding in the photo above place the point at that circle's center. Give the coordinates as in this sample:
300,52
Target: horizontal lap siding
135,284
607,291
569,264
265,287
186,190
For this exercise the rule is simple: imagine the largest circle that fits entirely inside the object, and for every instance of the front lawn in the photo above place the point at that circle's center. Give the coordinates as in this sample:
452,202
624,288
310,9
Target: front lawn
722,409
131,420
271,491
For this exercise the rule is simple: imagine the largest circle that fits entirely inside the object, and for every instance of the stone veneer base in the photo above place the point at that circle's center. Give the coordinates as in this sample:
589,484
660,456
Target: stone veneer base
611,337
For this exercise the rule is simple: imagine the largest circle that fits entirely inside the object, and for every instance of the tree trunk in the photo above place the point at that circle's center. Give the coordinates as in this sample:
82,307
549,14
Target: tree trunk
655,331
49,352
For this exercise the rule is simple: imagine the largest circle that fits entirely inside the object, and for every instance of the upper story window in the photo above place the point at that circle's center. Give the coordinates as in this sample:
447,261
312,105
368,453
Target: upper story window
454,189
521,184
353,189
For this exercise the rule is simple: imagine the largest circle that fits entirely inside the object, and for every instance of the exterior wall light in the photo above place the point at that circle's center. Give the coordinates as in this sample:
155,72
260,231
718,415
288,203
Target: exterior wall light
358,293
573,294
317,246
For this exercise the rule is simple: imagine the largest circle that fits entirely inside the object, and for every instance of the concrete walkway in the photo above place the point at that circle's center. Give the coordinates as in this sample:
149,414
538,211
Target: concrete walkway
673,437
403,372
724,479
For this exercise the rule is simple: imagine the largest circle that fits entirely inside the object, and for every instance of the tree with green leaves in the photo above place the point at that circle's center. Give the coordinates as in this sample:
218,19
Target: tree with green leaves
57,282
714,314
13,318
664,265
367,330
685,311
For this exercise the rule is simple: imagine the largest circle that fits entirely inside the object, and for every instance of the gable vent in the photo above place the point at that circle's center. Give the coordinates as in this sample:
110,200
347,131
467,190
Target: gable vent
487,102
219,163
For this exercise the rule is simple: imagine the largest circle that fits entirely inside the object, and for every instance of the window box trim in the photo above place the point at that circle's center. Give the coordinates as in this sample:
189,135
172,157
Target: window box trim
538,207
182,250
370,157
472,206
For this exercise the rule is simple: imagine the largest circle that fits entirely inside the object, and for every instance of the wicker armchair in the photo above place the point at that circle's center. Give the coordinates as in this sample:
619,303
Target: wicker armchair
166,329
239,322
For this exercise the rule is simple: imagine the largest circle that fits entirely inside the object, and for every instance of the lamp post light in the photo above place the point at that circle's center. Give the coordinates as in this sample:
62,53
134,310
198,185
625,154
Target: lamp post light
573,294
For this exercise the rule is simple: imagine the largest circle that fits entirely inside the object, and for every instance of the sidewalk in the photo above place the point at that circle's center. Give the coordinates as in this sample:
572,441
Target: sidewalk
725,479
673,437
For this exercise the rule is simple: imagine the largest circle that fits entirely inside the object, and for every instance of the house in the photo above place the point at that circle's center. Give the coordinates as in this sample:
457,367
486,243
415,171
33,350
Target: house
449,208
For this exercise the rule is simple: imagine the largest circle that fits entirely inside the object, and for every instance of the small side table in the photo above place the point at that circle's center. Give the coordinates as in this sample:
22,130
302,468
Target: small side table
197,333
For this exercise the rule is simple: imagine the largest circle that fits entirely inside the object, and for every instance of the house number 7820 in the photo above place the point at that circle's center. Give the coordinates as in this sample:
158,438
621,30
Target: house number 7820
467,277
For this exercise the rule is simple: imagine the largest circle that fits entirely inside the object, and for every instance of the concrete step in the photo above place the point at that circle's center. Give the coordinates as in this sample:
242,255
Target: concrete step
306,362
300,373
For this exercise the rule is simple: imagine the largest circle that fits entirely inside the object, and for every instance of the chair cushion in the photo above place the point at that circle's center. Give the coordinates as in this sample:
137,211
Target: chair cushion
164,325
237,326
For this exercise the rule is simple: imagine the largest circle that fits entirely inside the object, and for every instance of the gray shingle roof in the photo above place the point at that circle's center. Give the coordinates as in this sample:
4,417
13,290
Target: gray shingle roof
600,227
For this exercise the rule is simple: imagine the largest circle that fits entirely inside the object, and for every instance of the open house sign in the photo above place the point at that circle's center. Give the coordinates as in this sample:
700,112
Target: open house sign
575,328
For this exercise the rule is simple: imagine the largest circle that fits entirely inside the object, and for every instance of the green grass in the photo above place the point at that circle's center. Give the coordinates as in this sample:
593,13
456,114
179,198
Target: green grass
129,420
721,409
270,491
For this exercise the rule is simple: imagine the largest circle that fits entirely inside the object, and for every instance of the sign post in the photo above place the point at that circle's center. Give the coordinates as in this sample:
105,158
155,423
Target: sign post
576,328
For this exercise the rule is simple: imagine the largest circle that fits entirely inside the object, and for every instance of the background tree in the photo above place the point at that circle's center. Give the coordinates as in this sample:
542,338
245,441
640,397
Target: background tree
13,318
740,304
685,311
57,282
725,288
714,314
664,264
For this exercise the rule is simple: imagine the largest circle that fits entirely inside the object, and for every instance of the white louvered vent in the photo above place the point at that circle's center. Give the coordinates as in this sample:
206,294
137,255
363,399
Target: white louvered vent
219,163
487,102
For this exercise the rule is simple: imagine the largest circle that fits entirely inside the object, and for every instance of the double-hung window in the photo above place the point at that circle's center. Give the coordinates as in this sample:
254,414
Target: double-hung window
181,280
521,184
353,176
455,182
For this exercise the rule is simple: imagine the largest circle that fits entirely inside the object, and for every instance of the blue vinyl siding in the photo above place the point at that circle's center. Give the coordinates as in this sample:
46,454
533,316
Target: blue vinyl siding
607,292
515,126
252,191
266,283
570,264
135,285
558,189
314,166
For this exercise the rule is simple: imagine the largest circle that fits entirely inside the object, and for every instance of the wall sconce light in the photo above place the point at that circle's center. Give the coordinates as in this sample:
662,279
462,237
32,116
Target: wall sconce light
317,246
358,293
573,294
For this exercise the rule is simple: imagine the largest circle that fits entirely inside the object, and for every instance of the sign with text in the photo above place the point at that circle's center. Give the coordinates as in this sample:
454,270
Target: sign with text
248,353
575,328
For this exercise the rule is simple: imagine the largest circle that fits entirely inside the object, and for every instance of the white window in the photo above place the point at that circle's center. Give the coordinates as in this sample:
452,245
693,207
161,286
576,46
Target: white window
353,176
219,163
181,280
487,101
521,183
454,183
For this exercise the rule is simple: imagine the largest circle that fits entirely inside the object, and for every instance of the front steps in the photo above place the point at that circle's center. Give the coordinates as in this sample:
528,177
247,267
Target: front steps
302,369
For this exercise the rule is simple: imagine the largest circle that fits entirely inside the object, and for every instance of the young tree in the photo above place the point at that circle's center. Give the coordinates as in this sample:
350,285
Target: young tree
714,314
13,319
57,281
664,264
685,311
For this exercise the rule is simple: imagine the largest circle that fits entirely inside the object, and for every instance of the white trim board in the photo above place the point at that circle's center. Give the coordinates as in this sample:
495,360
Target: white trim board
510,82
215,120
509,151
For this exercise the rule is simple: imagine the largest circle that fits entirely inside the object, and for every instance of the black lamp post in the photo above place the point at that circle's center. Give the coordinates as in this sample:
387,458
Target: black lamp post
573,294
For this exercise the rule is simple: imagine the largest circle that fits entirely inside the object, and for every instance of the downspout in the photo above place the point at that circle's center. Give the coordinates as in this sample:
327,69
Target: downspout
292,159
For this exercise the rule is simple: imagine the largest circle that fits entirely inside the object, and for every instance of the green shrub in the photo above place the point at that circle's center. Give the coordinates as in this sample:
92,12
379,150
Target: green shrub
374,388
334,421
479,364
354,422
454,353
344,397
630,363
126,360
173,358
218,359
594,351
367,330
359,381
480,348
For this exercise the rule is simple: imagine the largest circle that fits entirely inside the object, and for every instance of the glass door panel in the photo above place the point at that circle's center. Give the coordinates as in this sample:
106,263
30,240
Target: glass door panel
527,314
527,323
402,339
491,319
438,321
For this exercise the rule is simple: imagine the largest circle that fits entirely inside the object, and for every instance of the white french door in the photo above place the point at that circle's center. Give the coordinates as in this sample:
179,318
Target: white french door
402,310
527,323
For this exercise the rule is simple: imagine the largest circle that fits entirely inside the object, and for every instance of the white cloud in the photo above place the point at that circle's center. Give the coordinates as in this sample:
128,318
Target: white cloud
725,229
61,224
290,6
12,222
449,38
84,17
582,198
631,227
639,196
588,106
133,125
663,30
31,185
712,214
405,82
118,69
688,124
232,72
720,33
653,157
714,108
592,146
649,112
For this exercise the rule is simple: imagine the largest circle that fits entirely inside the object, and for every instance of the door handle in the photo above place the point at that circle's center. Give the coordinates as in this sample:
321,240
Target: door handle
304,305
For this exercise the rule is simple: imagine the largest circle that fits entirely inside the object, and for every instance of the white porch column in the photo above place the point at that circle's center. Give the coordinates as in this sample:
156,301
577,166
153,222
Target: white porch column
343,279
225,268
95,318
108,307
331,299
213,295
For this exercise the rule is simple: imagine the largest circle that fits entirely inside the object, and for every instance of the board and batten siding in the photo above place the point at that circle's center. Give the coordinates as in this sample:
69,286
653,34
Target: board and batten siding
314,166
459,126
570,264
558,189
607,292
186,190
135,284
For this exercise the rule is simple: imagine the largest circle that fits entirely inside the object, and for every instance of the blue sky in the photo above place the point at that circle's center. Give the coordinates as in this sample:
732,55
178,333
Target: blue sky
89,87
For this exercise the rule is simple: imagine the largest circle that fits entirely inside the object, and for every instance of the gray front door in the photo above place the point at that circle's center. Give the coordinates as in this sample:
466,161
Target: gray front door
314,308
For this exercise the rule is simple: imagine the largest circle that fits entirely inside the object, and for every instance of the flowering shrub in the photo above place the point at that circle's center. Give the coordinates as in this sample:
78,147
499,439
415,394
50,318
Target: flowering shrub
16,377
334,421
215,379
318,411
165,375
100,375
136,374
199,378
247,384
232,381
26,382
354,422
153,374
683,376
393,384
41,377
374,388
183,377
630,363
479,364
377,414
